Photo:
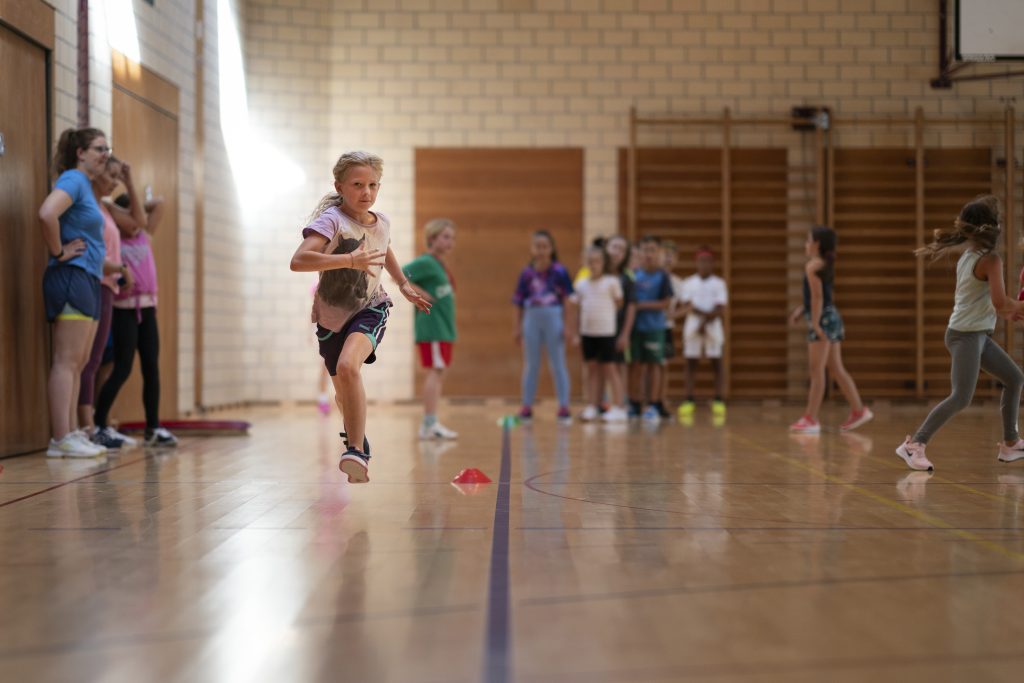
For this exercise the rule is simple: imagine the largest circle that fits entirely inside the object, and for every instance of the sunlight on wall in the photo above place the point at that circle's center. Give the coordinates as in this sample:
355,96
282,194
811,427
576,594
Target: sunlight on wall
122,34
261,171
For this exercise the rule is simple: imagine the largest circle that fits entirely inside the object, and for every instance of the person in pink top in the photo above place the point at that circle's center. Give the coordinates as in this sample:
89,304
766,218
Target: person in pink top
114,272
134,321
350,246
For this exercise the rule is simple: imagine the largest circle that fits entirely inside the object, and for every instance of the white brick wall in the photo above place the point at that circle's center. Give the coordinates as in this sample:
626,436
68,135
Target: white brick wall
398,74
165,34
393,75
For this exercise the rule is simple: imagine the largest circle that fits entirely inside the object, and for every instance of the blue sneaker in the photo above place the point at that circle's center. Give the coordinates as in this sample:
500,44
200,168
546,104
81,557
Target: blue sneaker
651,414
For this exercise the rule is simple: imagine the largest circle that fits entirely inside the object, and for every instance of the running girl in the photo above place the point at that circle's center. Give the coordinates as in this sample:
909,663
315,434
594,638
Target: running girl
979,298
350,308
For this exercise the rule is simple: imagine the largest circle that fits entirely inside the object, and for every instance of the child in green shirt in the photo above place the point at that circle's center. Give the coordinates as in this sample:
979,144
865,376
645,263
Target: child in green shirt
435,333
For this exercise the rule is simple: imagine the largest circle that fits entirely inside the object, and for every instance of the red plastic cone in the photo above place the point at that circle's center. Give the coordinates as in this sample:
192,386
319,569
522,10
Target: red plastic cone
471,476
469,489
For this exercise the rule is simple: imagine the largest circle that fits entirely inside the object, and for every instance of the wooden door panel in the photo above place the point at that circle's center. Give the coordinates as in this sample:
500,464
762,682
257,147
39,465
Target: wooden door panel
497,197
875,219
146,135
24,345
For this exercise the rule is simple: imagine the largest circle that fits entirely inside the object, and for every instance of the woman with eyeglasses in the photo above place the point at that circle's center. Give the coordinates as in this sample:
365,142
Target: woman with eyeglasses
73,232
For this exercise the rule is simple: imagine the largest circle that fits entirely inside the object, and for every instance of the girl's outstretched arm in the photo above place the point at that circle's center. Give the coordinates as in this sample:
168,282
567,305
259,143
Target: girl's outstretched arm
407,289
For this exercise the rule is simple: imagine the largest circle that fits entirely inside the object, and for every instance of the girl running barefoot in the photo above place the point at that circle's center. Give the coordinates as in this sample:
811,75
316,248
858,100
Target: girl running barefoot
350,246
978,299
825,335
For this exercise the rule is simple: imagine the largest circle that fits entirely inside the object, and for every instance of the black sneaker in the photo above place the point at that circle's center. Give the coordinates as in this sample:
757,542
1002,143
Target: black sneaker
661,410
366,443
160,438
356,465
103,437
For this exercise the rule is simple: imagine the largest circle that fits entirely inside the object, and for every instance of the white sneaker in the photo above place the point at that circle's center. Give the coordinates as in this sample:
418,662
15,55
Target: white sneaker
83,436
1011,453
912,453
615,414
437,431
72,447
589,414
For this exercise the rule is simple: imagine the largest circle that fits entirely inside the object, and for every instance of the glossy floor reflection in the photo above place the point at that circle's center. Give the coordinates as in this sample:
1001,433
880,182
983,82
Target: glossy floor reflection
696,551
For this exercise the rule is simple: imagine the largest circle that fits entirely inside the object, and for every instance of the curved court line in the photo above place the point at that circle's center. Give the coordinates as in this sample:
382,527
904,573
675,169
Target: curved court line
924,517
530,485
756,586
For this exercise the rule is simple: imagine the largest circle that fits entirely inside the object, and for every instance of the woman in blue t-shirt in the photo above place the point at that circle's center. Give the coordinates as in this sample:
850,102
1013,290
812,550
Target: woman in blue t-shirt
73,232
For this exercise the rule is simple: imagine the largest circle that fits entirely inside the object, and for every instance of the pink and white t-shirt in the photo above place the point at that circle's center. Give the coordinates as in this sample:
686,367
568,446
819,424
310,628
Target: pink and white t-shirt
112,241
335,225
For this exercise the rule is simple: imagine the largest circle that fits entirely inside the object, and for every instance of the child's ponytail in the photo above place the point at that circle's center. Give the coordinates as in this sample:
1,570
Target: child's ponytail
978,223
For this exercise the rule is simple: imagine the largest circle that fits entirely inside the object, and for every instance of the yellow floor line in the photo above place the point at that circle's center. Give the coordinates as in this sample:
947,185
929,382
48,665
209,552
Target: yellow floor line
924,517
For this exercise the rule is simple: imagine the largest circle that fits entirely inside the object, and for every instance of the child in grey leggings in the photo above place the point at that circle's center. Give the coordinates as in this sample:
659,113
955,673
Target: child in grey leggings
980,297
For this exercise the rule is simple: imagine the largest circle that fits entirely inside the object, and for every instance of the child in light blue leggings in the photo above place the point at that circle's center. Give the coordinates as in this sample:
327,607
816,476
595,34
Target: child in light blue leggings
540,296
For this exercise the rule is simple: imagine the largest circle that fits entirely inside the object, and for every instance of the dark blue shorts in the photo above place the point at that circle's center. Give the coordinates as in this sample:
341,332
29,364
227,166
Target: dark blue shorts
370,321
65,285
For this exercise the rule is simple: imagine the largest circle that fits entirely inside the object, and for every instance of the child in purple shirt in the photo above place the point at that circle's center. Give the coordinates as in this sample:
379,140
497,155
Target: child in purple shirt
540,294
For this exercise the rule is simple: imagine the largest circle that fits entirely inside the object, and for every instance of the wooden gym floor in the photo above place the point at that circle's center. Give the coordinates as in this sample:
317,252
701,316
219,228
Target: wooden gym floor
721,553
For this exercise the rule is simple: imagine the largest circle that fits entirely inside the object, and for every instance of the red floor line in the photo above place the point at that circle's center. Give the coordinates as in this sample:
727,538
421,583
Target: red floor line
70,481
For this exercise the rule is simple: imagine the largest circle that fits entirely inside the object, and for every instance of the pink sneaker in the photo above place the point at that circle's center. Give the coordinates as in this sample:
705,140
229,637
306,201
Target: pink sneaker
857,419
805,425
912,453
1011,453
324,406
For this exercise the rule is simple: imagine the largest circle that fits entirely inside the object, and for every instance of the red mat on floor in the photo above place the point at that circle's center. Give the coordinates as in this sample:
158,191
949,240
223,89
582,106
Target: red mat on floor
194,427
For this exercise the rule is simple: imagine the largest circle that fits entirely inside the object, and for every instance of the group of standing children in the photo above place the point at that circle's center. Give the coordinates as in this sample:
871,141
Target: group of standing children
625,311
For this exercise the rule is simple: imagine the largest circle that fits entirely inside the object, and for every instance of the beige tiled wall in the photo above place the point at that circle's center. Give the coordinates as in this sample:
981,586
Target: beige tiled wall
393,75
166,31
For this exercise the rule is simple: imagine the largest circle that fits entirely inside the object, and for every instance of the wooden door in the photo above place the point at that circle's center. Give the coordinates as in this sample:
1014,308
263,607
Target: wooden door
145,133
24,344
498,197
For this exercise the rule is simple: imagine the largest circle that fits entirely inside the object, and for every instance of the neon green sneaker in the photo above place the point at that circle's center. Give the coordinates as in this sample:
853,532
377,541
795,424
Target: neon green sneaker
686,409
718,408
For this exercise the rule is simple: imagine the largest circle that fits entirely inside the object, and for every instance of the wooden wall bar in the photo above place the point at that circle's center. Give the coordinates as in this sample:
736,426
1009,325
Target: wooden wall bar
883,201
